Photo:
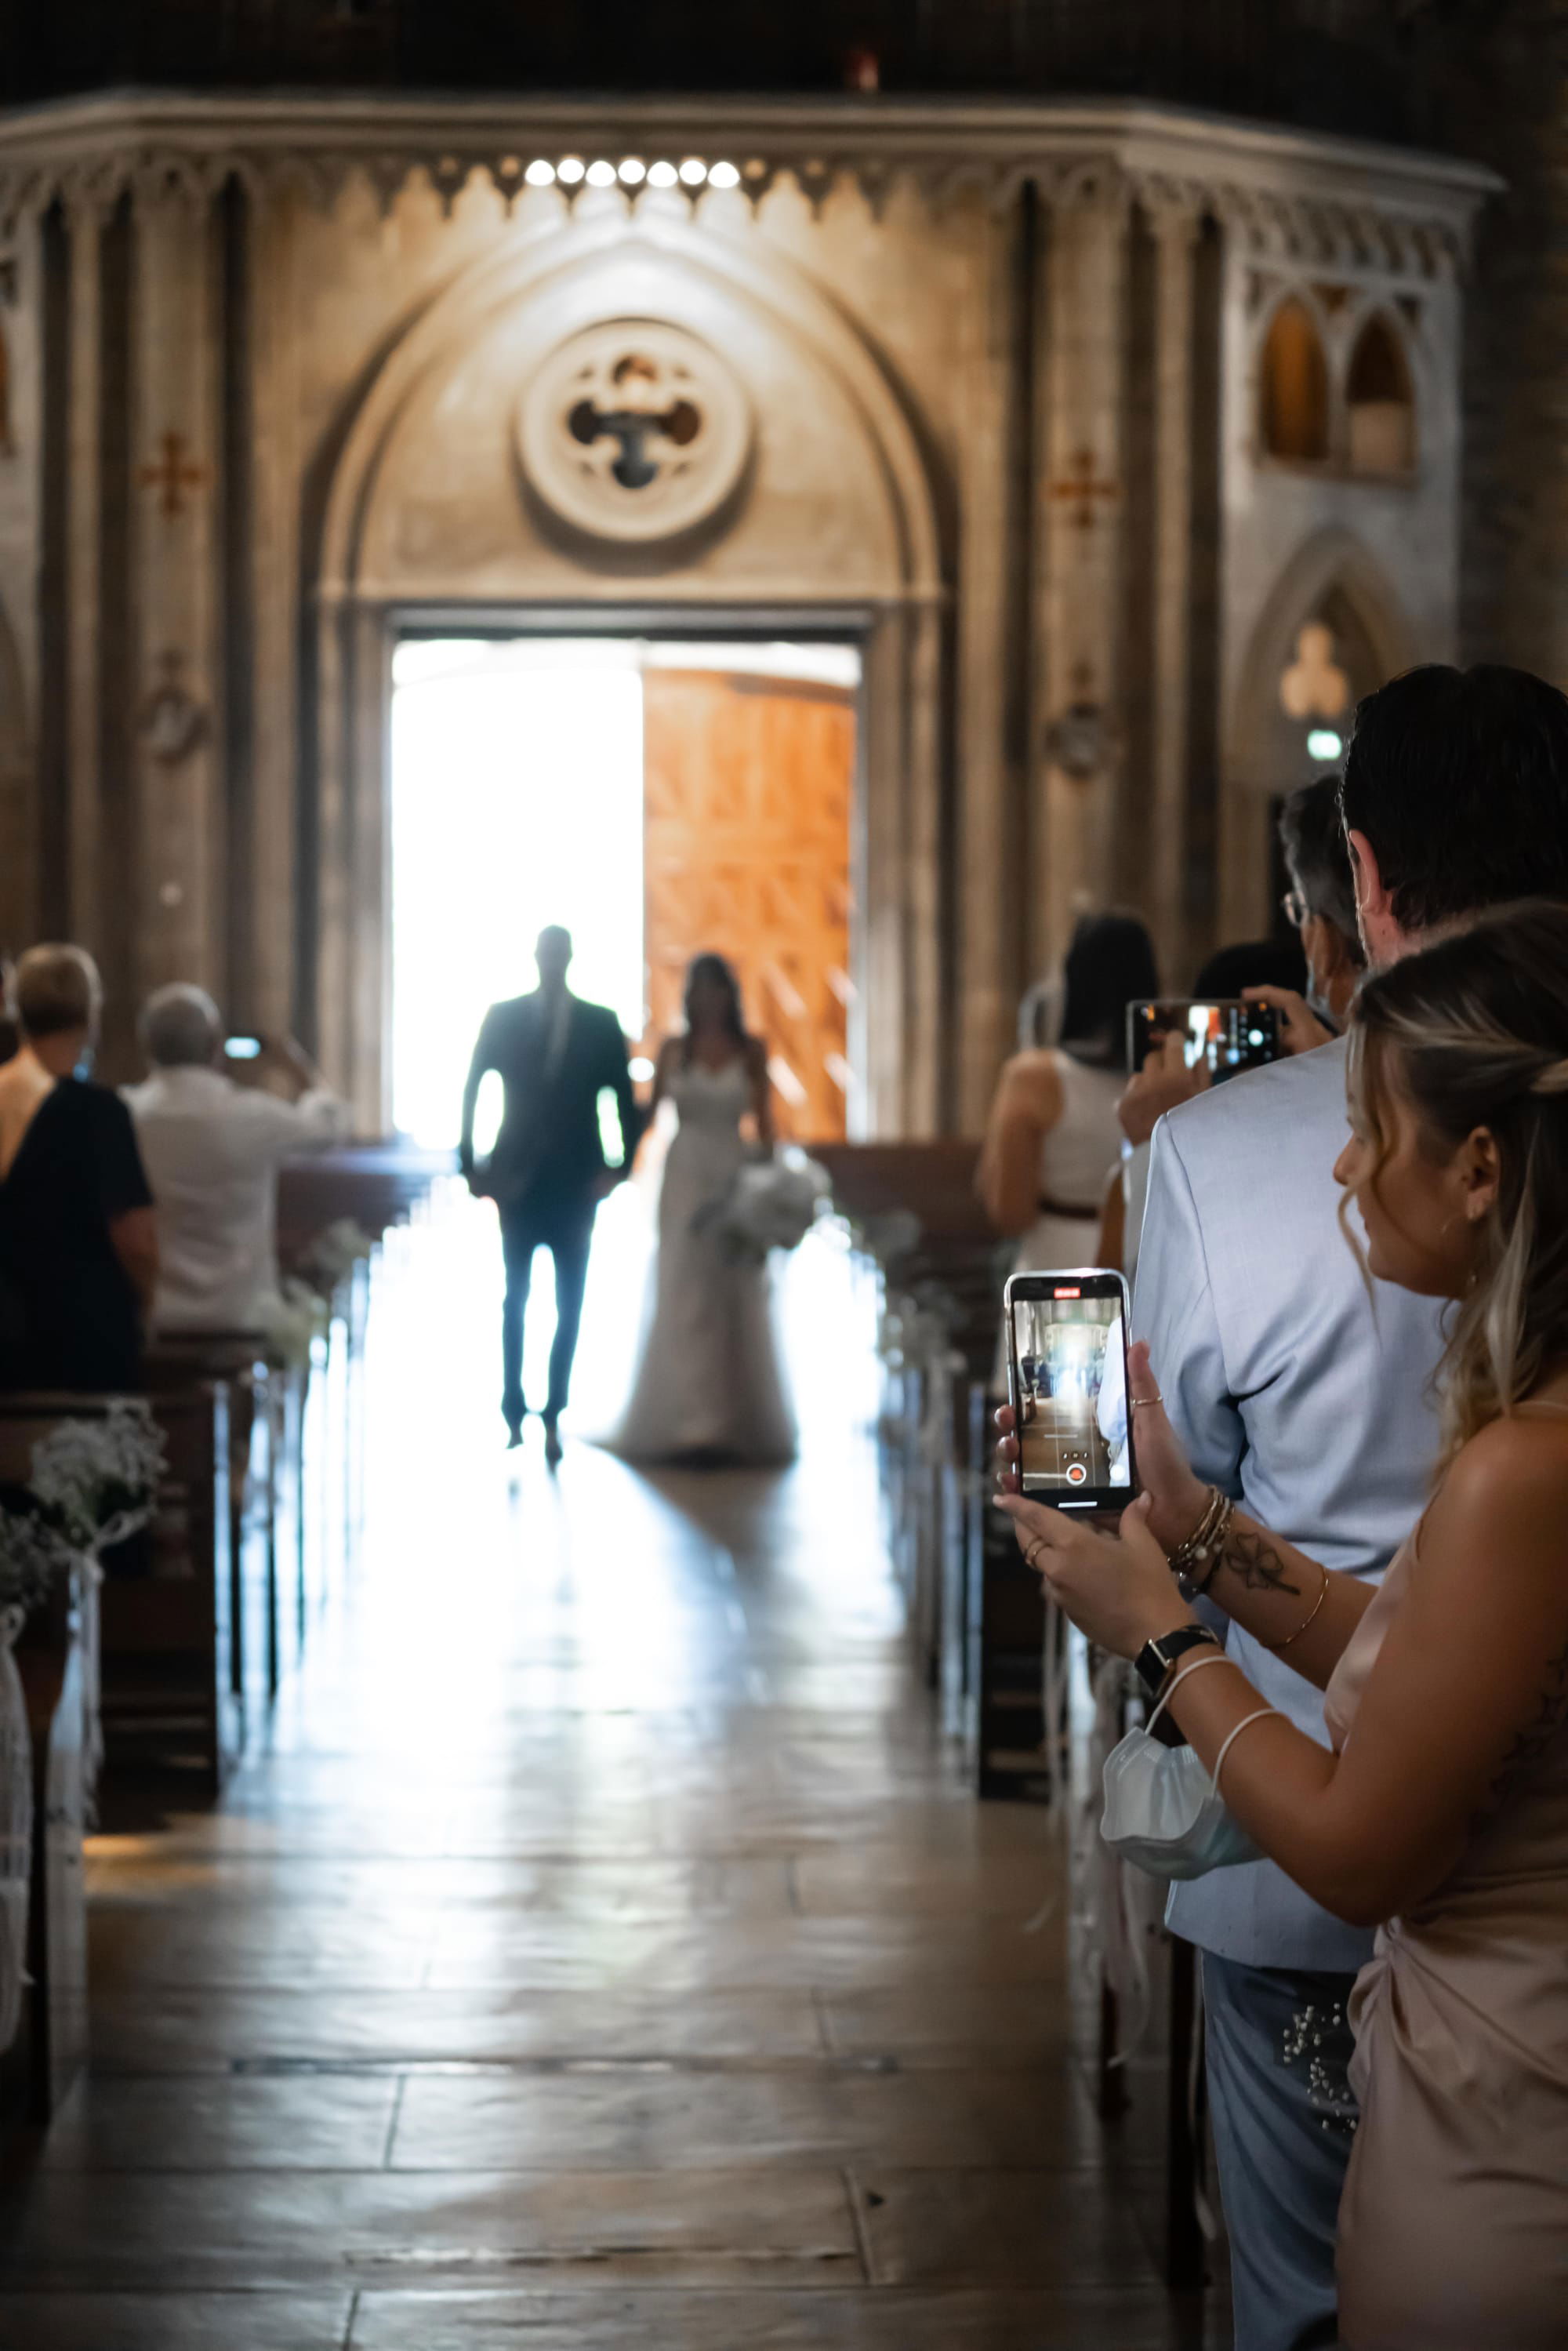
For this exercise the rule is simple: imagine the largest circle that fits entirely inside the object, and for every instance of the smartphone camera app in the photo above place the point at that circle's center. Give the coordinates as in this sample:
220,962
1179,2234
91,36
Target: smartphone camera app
1069,1370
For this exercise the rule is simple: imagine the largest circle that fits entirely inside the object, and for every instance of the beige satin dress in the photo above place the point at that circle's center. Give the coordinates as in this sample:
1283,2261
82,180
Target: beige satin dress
1454,2225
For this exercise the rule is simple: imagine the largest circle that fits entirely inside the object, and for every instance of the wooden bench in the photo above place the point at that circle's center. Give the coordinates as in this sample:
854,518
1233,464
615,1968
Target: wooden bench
165,1603
50,2048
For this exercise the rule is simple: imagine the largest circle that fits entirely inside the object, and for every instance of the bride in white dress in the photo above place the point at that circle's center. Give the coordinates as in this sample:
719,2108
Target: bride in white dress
709,1385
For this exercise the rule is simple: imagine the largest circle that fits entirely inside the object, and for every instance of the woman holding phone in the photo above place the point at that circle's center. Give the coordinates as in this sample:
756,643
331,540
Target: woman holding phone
1441,1812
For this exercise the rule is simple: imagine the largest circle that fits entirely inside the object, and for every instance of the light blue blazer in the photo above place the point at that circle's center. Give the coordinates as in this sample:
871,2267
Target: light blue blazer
1292,1389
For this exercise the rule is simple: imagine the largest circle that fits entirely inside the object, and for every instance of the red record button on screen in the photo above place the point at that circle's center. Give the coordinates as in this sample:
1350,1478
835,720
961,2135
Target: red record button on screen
1076,1473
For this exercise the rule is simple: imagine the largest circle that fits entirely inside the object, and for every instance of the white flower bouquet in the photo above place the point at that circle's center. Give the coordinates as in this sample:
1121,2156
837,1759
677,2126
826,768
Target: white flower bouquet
770,1204
291,1323
333,1254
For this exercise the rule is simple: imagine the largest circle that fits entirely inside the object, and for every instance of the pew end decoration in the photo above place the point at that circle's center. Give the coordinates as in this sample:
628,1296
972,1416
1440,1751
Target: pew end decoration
91,1484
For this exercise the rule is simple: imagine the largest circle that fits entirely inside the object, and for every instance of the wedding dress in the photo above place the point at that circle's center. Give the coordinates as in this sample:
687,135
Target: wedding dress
709,1377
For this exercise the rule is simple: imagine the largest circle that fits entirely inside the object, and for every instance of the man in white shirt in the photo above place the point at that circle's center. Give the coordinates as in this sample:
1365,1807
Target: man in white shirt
1306,1397
212,1150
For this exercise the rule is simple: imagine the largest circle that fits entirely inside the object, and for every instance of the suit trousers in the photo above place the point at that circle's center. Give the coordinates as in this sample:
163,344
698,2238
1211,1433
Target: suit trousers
1284,2123
564,1227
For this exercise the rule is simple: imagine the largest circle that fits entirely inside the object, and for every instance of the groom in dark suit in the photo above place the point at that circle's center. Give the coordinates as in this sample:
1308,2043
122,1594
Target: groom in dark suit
548,1173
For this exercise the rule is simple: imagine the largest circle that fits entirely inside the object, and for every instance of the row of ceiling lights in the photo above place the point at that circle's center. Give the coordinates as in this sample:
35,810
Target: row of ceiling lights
631,172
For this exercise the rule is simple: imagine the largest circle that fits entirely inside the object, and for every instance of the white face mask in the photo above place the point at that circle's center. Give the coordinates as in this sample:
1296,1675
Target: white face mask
1163,1812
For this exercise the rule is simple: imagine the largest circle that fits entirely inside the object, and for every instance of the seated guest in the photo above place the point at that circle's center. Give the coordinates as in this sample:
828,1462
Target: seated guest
212,1150
79,1247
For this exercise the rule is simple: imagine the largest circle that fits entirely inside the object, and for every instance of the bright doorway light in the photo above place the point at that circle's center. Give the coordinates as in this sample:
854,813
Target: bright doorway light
517,800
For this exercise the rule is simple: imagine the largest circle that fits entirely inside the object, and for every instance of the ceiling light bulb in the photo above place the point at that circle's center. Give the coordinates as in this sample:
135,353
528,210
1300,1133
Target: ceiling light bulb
601,175
693,171
571,168
663,175
723,176
631,169
541,174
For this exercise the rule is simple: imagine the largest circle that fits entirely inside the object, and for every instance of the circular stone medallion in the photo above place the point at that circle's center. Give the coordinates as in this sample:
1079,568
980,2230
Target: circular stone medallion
634,430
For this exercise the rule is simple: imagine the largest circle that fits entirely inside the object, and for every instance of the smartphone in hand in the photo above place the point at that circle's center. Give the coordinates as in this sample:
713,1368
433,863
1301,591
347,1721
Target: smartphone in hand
1225,1035
1066,1384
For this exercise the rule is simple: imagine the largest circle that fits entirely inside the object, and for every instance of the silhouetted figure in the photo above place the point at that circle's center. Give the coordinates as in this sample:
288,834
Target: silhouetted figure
548,1174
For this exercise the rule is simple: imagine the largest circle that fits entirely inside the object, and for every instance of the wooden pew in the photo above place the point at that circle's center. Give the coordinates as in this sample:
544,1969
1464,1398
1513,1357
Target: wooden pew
50,2048
169,1697
178,1361
946,1284
166,1639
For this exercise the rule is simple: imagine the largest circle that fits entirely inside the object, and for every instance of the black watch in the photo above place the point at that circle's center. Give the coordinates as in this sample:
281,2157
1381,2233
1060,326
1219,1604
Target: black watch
1156,1658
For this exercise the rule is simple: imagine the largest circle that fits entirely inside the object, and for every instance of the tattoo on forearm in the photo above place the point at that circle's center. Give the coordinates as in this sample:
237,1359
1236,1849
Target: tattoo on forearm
1254,1562
1539,1732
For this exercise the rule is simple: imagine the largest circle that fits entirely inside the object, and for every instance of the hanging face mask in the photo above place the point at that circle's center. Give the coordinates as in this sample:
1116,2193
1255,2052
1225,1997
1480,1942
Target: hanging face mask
1163,1809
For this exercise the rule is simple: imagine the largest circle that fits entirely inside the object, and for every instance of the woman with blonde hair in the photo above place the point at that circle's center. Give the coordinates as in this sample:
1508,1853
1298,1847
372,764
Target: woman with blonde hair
1441,1812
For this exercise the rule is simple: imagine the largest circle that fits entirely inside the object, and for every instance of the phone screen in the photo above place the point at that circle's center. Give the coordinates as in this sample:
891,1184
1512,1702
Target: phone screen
1067,1368
1226,1036
242,1048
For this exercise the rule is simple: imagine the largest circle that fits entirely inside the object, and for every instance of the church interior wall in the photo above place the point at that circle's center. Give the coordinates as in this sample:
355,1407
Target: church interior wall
1005,430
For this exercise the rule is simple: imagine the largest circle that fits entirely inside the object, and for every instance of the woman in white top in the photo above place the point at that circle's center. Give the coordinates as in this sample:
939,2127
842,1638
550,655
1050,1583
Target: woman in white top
1053,1139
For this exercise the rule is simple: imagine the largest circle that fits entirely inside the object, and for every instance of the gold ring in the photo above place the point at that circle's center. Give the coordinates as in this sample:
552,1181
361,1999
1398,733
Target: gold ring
1153,1399
1038,1544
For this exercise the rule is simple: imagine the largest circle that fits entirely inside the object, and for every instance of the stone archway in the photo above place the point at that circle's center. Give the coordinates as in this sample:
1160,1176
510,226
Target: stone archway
435,507
1333,579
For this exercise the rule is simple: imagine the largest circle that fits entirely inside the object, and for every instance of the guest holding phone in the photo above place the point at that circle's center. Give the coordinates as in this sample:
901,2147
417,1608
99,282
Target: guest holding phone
212,1147
1439,1810
1053,1138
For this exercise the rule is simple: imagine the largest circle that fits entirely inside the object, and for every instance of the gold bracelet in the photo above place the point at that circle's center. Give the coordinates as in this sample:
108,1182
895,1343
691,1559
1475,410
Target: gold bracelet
1322,1595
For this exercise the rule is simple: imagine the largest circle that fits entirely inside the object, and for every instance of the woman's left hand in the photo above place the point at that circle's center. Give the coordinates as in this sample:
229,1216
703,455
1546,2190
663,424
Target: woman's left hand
1118,1588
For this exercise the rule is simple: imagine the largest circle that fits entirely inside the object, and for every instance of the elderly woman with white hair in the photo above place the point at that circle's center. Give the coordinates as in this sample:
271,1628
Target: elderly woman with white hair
78,1254
212,1150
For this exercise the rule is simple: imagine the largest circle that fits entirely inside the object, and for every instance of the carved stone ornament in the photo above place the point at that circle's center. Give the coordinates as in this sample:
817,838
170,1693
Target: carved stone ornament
1082,741
634,430
171,722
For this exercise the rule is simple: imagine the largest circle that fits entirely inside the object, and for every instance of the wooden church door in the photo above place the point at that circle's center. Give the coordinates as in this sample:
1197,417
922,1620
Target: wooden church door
748,784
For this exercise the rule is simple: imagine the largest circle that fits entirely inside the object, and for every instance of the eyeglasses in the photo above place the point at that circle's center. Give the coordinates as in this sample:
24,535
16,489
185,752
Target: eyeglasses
1295,908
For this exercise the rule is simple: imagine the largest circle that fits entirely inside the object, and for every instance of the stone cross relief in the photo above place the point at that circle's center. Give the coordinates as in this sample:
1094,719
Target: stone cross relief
1083,489
173,474
640,420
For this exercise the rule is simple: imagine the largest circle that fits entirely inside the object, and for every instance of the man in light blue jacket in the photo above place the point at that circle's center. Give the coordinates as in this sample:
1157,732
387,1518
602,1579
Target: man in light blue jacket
1307,1397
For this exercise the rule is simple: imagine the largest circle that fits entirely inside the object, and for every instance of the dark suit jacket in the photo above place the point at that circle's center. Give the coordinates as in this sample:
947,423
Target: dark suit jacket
549,1151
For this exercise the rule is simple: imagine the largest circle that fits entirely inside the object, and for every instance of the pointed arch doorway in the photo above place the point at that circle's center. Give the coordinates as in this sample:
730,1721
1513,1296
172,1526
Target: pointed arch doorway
662,798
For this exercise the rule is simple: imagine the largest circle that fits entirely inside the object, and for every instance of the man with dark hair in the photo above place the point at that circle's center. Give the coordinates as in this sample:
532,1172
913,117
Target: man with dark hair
1295,1391
556,1055
1321,901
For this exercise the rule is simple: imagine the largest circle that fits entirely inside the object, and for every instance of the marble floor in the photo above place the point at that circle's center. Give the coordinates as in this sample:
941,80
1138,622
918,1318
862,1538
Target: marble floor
598,1948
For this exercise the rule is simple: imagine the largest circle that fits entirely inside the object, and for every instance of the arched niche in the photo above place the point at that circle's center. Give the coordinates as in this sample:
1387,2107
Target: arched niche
1293,418
1333,583
1380,400
427,514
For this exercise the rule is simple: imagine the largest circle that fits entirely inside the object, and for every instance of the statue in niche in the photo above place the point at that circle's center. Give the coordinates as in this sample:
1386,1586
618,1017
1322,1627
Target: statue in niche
644,414
1314,686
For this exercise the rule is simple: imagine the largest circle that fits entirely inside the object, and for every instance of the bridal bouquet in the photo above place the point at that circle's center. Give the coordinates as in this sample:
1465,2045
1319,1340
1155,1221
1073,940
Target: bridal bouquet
772,1205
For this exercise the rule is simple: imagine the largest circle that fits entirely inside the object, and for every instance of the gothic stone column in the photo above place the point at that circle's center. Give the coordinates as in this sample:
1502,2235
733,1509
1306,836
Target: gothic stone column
1174,224
175,615
1079,584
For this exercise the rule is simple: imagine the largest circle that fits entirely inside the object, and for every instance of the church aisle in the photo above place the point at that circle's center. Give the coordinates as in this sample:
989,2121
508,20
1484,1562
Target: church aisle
601,1953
